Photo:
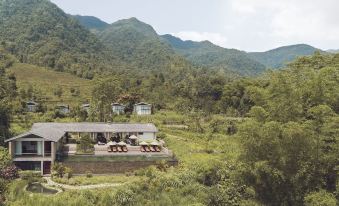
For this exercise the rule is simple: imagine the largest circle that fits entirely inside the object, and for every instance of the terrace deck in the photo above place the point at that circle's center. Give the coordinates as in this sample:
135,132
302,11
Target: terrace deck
101,150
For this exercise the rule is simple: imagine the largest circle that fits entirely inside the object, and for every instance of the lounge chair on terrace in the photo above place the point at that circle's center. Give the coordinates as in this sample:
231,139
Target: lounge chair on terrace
119,149
152,149
142,149
147,149
157,149
114,148
101,143
124,149
109,149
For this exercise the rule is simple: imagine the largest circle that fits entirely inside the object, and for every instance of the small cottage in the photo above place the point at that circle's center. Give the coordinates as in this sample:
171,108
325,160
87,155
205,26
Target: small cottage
85,107
143,108
63,108
31,106
118,108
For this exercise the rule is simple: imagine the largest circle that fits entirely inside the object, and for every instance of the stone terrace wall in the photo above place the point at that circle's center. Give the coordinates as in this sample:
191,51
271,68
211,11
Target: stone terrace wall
107,167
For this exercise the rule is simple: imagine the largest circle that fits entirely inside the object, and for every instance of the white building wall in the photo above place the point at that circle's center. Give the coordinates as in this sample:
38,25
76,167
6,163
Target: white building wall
147,136
118,109
143,109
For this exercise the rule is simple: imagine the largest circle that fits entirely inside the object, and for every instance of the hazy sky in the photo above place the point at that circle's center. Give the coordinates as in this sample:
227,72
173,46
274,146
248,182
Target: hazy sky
251,25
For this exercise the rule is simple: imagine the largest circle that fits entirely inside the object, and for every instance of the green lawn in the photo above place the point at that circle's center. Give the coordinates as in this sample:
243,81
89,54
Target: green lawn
192,149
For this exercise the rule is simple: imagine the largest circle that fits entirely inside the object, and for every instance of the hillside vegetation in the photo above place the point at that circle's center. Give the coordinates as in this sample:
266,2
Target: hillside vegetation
270,139
280,57
214,57
138,43
38,32
45,84
92,23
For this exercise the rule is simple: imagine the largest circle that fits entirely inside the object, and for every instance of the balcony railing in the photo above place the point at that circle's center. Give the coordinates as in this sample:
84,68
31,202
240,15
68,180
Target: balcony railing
47,154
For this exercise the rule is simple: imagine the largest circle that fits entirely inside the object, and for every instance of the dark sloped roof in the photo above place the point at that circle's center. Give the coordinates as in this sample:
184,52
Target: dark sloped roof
54,131
117,104
49,134
142,103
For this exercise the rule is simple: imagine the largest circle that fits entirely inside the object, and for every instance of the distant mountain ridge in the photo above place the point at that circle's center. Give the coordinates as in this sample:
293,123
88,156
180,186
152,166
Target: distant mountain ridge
40,33
134,41
94,24
333,51
209,55
277,58
128,37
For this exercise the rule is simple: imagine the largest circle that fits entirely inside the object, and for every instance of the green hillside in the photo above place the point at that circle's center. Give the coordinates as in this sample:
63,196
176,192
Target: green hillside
94,24
277,58
46,82
40,33
138,43
209,55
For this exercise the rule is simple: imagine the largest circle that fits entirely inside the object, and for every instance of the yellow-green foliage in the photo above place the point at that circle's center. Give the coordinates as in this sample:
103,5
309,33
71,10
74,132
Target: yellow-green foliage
47,81
83,180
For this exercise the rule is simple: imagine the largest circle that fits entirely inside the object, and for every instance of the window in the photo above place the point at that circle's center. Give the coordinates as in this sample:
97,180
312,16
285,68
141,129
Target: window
140,133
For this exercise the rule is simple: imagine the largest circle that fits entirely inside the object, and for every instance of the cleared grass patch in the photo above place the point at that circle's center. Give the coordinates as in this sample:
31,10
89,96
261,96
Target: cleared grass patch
45,81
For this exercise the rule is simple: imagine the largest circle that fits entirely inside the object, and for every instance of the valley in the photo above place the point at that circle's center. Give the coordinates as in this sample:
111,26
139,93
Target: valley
115,113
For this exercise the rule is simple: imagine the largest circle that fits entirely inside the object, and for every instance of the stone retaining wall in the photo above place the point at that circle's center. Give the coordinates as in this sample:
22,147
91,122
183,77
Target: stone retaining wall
106,167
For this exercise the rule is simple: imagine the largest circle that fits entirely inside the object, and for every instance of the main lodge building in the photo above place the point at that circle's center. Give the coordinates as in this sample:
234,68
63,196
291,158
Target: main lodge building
40,147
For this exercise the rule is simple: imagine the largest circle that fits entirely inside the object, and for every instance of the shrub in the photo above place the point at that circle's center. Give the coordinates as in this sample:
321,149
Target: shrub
321,198
9,173
161,135
162,165
124,196
85,144
72,141
30,176
59,170
89,174
3,188
68,172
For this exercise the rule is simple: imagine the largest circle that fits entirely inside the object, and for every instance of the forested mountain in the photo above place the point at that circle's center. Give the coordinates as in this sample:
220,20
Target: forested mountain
334,51
94,24
277,58
138,43
40,33
209,55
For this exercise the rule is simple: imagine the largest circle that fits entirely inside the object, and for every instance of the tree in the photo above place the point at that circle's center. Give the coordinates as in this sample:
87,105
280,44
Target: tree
321,198
129,100
58,169
7,94
85,143
104,93
291,144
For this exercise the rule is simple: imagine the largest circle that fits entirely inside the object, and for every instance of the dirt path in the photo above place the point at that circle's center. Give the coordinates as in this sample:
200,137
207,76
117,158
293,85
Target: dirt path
50,182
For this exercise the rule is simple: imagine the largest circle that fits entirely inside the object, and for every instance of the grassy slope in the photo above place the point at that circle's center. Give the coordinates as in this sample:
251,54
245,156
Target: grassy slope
47,81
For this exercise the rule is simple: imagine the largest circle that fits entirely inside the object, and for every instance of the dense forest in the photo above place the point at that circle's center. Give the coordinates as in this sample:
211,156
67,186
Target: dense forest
279,57
289,143
269,139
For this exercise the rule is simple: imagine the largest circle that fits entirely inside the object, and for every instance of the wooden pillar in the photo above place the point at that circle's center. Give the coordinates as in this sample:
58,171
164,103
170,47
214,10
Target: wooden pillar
42,167
53,151
11,148
43,148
